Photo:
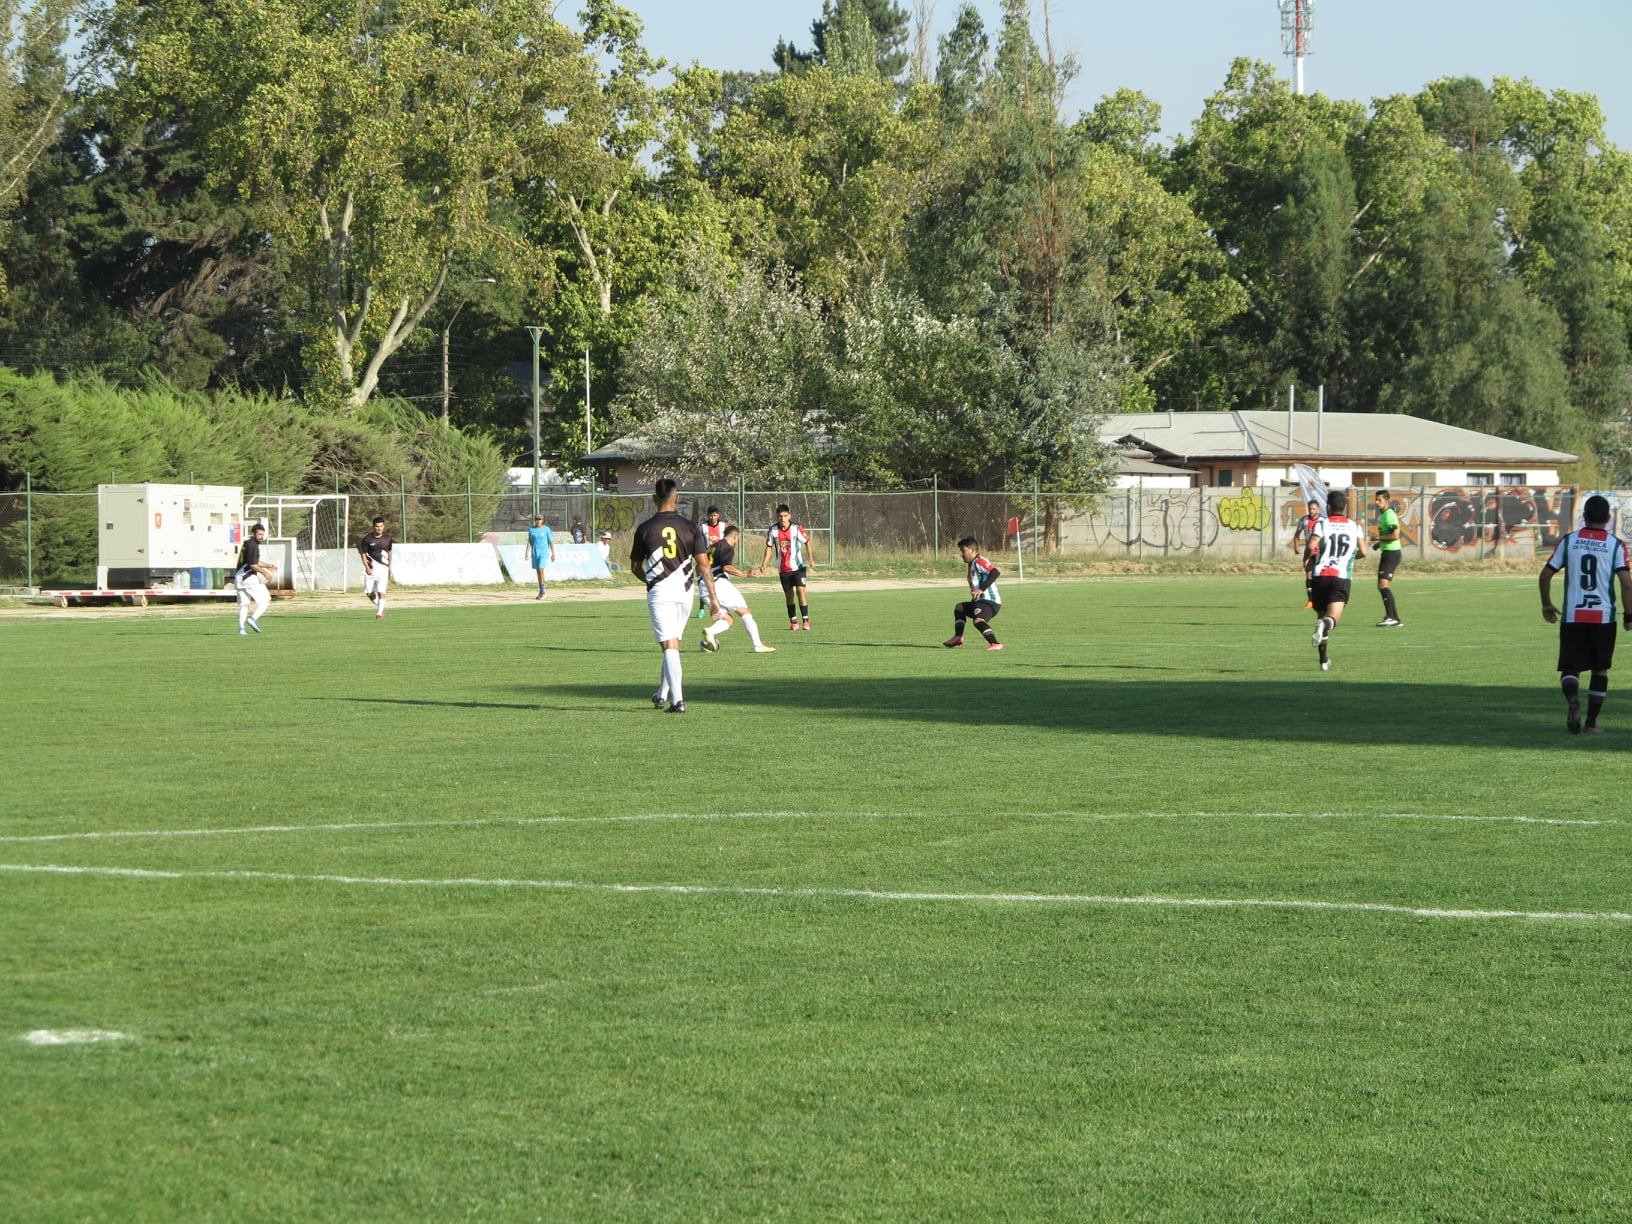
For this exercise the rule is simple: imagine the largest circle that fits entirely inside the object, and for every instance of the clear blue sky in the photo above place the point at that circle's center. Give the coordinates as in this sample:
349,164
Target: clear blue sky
1177,51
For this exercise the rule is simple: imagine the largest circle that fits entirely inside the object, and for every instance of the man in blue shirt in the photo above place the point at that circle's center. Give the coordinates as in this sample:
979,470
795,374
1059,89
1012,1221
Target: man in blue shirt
541,548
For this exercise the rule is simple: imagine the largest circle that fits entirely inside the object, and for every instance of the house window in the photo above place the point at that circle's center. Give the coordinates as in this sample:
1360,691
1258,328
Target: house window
1481,479
1410,480
1226,477
1367,480
1514,478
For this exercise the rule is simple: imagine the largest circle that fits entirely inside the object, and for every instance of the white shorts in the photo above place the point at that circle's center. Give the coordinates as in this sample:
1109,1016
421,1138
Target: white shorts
669,616
376,580
726,591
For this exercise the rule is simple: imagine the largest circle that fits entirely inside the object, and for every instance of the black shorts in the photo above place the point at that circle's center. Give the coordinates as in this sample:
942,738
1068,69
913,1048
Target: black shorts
1585,648
1388,562
978,609
1324,592
793,578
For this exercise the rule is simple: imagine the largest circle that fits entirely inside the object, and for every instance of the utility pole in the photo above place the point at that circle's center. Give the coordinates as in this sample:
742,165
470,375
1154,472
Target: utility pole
446,329
535,333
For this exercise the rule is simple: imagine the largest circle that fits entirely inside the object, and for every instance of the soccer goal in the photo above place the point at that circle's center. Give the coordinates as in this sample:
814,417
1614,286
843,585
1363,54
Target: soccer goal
320,525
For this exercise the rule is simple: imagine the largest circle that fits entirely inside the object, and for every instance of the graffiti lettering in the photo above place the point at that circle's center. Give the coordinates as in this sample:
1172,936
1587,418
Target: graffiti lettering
1245,513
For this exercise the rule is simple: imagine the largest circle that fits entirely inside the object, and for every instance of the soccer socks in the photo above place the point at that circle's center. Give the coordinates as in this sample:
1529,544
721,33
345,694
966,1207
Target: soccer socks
1388,603
1596,695
671,676
718,627
793,612
804,611
985,632
750,624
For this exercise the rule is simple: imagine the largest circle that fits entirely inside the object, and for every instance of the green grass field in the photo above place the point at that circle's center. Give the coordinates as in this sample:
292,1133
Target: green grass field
1145,918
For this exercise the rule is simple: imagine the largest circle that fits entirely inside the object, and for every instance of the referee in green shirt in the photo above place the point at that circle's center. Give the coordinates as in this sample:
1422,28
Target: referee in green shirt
1387,545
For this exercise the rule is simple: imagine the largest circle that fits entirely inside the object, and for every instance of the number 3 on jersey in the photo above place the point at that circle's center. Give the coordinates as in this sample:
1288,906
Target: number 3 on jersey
671,543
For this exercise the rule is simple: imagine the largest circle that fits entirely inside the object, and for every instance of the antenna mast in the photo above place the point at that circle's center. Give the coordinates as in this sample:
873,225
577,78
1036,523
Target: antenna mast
1297,33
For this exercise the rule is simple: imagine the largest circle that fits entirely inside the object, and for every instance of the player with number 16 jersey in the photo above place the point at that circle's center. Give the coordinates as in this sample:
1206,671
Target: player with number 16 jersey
1334,548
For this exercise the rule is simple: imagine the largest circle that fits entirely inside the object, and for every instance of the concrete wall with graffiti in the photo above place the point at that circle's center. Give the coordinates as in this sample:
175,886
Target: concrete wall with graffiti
1514,521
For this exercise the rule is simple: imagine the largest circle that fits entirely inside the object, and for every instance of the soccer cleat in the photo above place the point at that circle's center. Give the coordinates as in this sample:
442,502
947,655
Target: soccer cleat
379,616
1388,622
953,641
1320,633
538,597
764,649
255,624
1592,729
1572,719
242,632
1308,606
995,646
657,701
793,626
678,707
806,625
1325,665
710,643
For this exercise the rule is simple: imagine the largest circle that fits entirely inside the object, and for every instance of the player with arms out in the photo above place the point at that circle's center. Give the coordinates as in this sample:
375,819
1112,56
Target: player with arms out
984,602
669,554
375,549
1333,552
1594,564
720,556
788,541
249,579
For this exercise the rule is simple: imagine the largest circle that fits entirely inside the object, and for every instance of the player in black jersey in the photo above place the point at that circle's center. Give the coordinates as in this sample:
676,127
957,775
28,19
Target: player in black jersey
670,554
720,557
375,549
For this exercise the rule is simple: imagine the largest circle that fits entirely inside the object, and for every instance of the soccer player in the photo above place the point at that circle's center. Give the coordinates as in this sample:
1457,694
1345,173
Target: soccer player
1593,563
713,532
669,554
1301,535
1387,544
540,550
984,602
375,549
720,557
788,541
1337,546
249,579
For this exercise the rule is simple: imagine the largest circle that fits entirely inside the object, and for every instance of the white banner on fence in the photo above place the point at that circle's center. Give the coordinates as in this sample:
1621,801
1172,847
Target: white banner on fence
445,564
572,562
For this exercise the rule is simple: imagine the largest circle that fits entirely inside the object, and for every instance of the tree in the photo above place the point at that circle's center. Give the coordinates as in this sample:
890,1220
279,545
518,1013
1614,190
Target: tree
378,146
887,21
36,84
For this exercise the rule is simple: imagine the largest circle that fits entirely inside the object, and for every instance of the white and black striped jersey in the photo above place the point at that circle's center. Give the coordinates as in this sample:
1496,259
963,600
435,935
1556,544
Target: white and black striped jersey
1589,560
1339,548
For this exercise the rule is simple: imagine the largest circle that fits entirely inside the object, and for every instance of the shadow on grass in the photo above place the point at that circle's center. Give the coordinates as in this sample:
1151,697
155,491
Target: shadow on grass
1319,709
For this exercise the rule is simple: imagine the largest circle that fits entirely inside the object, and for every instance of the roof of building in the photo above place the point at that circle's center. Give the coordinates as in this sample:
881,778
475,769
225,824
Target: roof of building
1138,463
1328,437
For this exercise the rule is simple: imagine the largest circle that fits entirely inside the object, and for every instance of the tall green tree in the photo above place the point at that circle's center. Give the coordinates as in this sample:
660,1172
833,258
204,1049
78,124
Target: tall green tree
888,23
378,146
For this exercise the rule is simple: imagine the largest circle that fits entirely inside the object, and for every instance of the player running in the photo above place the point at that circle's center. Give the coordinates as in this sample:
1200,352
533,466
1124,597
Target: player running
788,541
375,549
720,556
249,580
1593,563
1333,550
668,554
984,602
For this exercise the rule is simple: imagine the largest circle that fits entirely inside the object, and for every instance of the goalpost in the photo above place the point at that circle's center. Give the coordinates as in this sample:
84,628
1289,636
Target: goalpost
320,525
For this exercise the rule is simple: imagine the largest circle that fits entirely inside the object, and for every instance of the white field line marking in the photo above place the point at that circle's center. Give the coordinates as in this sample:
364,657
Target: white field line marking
861,894
523,821
51,1037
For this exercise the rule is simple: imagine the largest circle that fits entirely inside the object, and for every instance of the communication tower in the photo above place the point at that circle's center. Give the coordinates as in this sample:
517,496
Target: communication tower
1297,33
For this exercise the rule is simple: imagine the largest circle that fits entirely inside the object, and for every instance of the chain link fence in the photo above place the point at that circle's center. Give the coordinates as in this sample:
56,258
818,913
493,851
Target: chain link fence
50,536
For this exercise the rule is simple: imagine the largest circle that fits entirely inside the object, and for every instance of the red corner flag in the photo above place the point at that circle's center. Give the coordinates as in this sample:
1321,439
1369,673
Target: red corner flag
1013,528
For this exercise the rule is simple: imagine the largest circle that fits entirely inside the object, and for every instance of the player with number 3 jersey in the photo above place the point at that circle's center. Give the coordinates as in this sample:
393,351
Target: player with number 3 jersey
670,555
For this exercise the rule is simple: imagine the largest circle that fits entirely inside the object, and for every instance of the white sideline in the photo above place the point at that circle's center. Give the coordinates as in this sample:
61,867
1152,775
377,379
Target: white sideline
861,894
521,821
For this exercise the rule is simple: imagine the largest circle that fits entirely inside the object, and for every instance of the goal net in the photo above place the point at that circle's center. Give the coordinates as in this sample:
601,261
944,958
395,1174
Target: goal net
320,526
